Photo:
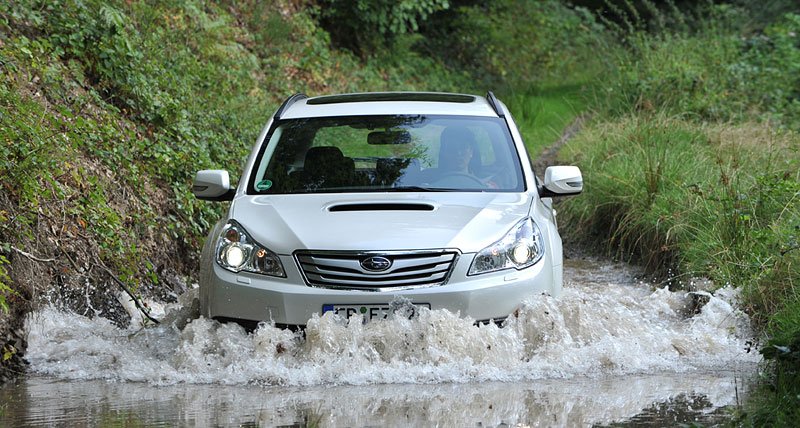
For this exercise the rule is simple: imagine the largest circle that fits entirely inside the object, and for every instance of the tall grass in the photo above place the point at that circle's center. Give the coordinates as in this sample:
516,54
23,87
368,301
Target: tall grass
542,113
715,200
693,168
718,201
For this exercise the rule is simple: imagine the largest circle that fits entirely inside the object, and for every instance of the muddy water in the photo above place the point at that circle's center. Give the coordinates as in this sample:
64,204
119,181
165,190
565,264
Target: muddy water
610,350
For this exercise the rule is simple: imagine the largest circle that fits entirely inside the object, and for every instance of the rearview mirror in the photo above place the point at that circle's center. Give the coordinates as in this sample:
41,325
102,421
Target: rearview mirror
562,181
213,185
388,137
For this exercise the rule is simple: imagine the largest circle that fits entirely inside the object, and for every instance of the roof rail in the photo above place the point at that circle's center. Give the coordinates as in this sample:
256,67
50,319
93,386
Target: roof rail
288,103
495,104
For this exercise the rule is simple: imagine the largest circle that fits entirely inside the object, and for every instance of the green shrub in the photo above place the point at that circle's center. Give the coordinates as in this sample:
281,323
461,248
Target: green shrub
713,70
770,71
776,401
517,43
364,26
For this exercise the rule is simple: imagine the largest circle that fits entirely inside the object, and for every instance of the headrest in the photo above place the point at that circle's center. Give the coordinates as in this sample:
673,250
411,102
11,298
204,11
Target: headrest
322,158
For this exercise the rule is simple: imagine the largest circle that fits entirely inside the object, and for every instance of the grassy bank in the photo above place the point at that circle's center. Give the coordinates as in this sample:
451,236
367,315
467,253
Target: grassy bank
692,167
715,200
694,201
542,113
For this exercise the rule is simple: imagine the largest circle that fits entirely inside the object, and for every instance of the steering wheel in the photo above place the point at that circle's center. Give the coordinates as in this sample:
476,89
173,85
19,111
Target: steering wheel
458,177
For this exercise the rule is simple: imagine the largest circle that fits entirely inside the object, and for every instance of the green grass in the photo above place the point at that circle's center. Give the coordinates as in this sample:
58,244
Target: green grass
718,201
542,113
717,71
710,200
692,168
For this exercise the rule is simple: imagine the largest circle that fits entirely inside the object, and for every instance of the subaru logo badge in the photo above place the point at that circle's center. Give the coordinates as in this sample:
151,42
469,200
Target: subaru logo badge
376,264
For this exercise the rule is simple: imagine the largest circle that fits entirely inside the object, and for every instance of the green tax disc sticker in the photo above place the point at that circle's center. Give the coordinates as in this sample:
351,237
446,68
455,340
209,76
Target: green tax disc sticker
264,185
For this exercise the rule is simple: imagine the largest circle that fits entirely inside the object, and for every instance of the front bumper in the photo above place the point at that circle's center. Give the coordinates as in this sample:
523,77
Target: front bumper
289,301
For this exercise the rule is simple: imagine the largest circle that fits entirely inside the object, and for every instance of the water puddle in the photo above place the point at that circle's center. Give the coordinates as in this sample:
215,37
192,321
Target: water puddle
610,349
654,400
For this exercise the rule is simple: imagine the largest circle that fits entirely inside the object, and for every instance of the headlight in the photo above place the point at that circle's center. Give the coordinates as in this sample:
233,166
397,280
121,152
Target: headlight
521,247
237,252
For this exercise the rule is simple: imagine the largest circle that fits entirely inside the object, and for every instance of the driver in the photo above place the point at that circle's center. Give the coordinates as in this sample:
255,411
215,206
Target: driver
457,151
458,154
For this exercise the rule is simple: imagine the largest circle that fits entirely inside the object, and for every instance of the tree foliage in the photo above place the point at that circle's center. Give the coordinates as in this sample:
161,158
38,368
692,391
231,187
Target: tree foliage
363,26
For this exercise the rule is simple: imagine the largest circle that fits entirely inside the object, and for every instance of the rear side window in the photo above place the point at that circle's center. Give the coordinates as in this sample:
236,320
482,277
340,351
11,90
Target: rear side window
387,153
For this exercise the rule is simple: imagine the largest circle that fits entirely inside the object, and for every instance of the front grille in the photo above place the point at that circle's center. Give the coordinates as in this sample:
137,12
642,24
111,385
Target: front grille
343,270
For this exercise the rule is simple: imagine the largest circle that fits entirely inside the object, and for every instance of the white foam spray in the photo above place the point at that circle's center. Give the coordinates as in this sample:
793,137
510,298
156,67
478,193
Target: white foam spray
603,324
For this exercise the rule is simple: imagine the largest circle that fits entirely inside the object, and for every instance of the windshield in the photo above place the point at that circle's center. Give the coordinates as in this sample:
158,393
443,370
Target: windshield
387,153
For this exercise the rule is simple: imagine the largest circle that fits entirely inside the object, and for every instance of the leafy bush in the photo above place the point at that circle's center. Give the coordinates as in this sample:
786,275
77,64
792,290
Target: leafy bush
364,26
770,70
517,43
712,69
776,401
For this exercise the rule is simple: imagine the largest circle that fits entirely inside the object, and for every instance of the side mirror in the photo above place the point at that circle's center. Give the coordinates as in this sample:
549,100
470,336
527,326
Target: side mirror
213,185
561,181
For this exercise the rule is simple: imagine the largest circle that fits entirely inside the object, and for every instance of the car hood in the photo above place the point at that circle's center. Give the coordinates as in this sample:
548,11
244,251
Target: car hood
380,222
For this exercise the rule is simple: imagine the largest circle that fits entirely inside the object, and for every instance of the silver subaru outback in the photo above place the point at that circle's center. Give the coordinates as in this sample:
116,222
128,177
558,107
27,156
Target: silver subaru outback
351,202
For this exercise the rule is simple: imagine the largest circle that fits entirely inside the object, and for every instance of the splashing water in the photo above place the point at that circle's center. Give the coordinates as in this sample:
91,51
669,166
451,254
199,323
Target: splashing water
603,324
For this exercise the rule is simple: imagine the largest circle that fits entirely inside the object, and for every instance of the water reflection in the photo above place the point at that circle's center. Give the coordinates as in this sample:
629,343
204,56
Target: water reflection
660,400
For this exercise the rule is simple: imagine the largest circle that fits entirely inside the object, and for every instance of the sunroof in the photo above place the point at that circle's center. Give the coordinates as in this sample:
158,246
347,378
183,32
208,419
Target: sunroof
392,96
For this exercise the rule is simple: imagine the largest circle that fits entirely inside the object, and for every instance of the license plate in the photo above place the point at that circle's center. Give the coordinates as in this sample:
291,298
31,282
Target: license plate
370,312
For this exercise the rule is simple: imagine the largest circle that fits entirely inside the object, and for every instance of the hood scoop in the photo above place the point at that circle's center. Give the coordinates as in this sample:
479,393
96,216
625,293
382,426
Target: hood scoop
380,206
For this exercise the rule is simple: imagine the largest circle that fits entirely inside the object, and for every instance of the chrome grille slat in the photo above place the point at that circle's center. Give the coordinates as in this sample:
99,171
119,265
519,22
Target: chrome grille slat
383,283
343,270
399,262
378,275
